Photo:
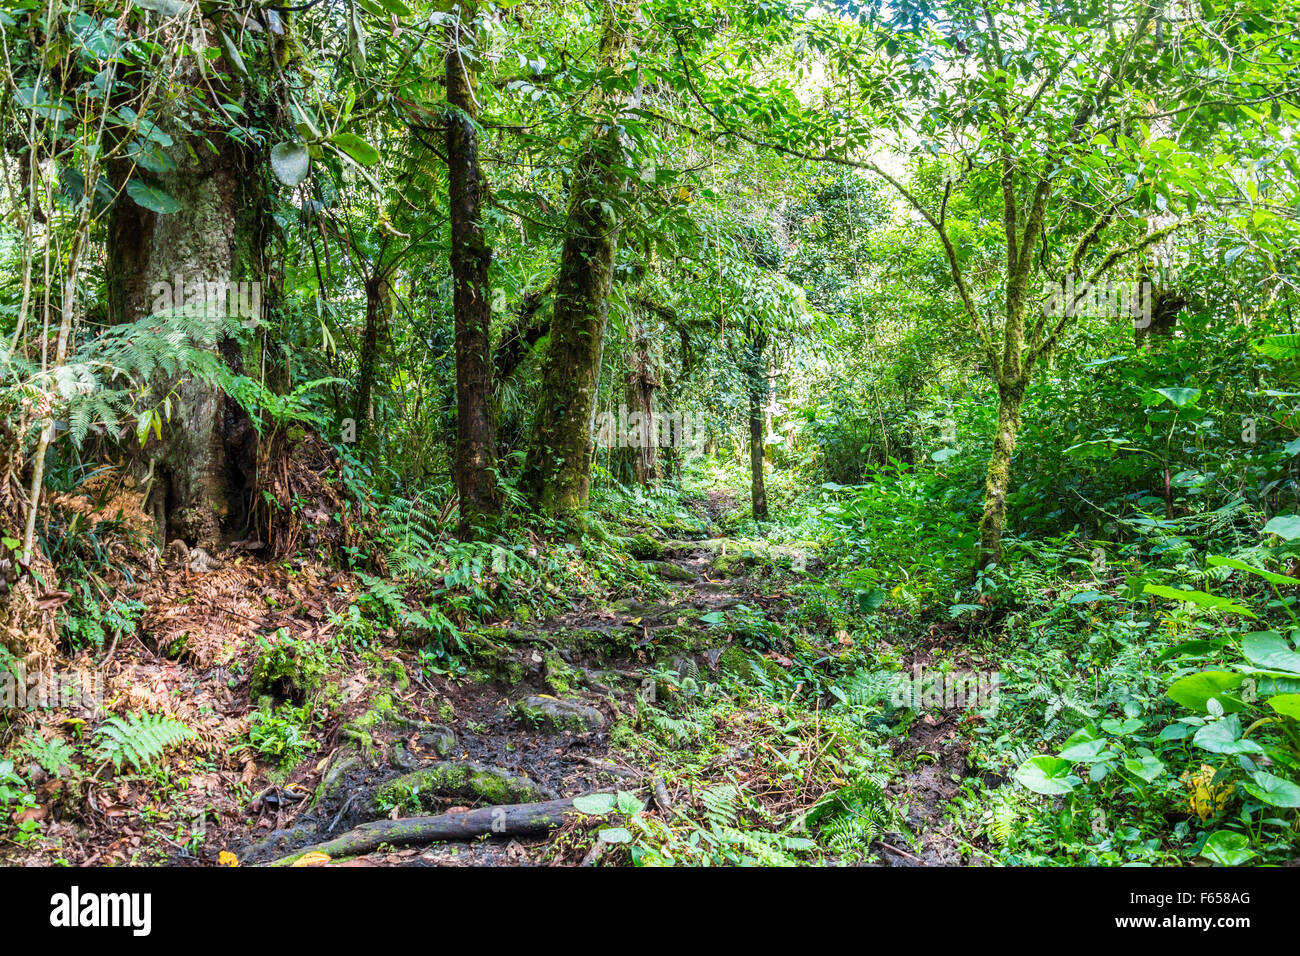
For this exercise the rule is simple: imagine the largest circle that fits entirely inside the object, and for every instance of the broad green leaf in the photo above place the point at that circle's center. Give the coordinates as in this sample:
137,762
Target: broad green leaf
290,162
871,600
151,197
1089,597
1044,774
1180,396
1199,598
1227,848
1285,346
1268,650
1121,728
1188,648
1148,768
1288,705
1272,790
596,804
714,617
615,835
1215,561
1284,526
1084,746
356,148
1195,691
1224,737
231,52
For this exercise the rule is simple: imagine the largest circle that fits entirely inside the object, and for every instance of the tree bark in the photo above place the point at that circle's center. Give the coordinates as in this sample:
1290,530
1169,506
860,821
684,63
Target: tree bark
202,466
521,819
642,382
997,480
557,469
476,440
377,319
756,375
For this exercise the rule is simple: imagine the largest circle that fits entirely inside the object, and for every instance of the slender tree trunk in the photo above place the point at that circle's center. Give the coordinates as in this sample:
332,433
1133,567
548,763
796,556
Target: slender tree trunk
377,319
756,375
758,489
997,481
476,440
642,458
557,470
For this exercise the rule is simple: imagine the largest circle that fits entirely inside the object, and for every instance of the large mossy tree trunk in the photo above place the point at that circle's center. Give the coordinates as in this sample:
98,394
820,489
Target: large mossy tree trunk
476,441
557,471
203,465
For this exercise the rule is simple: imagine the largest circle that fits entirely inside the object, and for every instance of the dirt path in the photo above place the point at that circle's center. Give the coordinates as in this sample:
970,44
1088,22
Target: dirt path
538,728
592,661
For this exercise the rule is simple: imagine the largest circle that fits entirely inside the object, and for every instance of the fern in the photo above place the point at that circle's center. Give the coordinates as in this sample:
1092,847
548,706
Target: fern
851,817
53,755
138,740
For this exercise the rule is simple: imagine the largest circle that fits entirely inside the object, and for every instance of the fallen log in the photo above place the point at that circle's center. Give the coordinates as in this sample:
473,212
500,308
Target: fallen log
512,820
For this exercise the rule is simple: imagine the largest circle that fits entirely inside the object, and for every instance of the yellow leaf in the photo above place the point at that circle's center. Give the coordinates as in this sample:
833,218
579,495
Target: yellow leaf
315,858
226,858
1203,798
683,194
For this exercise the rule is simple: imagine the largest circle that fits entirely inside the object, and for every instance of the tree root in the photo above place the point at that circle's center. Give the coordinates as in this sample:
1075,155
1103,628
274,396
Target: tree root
513,820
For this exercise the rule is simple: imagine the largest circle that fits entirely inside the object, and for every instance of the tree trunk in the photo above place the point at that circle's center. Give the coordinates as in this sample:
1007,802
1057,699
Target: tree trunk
997,481
758,395
203,464
476,439
557,470
377,319
642,382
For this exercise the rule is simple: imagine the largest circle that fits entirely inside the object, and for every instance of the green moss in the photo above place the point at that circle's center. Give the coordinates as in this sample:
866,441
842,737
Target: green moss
559,675
643,547
726,565
388,670
551,714
498,661
286,669
742,663
669,571
362,730
422,789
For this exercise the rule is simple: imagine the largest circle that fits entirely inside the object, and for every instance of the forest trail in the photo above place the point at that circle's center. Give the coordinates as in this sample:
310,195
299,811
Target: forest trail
601,657
496,758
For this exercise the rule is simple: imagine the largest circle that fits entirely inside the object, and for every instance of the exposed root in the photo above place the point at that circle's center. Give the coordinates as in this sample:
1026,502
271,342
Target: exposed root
513,820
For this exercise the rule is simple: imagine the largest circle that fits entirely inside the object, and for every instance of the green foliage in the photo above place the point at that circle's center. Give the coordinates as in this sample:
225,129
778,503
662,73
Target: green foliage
138,739
281,734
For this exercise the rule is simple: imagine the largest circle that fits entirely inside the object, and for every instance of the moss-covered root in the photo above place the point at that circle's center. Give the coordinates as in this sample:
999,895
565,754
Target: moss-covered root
451,778
523,819
552,715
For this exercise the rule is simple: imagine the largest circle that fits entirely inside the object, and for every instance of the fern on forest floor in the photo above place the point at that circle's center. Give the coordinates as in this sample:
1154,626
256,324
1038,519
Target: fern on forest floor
138,740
